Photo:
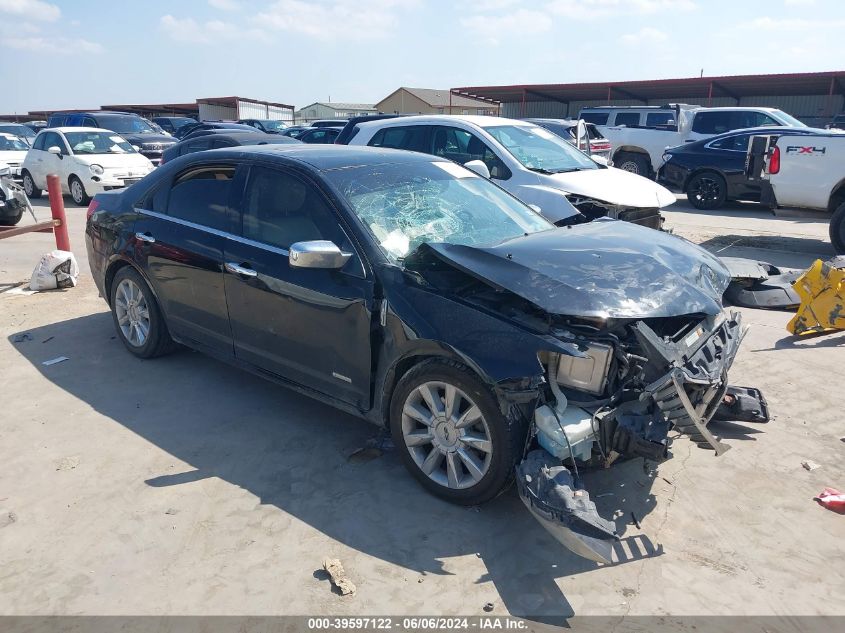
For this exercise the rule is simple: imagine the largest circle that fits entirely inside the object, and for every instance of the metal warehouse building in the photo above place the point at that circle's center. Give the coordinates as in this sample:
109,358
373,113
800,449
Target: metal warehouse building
811,97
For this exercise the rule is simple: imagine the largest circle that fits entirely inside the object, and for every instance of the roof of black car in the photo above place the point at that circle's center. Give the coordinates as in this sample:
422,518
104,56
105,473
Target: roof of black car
326,157
249,138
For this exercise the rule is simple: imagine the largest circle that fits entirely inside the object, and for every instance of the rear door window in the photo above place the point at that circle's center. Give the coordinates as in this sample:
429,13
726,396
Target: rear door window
408,137
201,195
743,119
596,118
712,122
737,143
197,145
631,119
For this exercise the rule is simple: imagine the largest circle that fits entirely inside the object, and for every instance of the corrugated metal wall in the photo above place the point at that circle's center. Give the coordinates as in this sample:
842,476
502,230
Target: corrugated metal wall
249,110
214,112
811,109
276,113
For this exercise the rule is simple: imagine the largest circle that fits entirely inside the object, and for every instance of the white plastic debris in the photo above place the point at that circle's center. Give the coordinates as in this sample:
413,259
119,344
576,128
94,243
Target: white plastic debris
53,361
810,465
56,269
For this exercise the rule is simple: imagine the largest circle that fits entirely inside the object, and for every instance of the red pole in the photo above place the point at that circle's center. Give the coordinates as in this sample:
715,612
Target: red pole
57,208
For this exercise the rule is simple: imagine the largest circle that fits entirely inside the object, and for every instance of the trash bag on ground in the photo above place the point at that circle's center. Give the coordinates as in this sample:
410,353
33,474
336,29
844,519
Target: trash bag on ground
56,269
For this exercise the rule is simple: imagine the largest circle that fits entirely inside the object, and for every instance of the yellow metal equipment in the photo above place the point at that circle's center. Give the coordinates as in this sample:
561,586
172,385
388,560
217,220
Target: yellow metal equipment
822,292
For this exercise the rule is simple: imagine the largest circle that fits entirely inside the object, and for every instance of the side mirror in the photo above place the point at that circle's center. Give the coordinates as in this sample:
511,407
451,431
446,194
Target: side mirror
55,149
479,167
600,160
536,208
317,254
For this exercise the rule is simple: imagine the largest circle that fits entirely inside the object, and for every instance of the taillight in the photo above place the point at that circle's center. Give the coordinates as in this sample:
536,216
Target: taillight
774,161
91,208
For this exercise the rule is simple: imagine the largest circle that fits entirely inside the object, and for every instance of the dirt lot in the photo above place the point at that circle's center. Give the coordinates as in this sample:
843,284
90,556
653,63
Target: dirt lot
184,486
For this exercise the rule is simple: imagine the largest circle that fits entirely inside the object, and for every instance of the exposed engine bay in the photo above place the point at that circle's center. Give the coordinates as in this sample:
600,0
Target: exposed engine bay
593,209
638,361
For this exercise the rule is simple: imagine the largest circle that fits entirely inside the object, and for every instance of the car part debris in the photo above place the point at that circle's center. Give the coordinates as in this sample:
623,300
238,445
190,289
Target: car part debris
636,520
565,510
53,361
822,292
56,269
488,607
337,575
756,284
743,404
810,465
831,499
22,338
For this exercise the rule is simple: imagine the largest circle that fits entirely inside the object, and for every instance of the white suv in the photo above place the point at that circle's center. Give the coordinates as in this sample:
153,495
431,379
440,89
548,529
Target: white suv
87,161
533,164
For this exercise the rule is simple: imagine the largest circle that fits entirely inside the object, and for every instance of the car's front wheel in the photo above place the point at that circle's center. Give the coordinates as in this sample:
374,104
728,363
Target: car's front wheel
451,434
137,316
633,163
77,191
32,192
707,191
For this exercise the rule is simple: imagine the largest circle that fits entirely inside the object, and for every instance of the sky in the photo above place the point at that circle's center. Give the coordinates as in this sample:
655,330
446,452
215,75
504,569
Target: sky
85,53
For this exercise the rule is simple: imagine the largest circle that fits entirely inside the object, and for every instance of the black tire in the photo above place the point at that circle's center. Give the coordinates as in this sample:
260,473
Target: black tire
707,191
837,229
79,196
633,162
11,220
32,192
157,341
505,435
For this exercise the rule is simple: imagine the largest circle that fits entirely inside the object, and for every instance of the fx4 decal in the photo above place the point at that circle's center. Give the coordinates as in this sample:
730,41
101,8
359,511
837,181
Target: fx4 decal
797,149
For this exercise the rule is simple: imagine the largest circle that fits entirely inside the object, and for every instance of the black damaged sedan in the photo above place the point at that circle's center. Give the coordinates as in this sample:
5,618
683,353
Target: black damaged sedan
411,292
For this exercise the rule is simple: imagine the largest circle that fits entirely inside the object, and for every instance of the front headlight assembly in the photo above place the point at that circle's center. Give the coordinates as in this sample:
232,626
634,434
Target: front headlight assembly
97,170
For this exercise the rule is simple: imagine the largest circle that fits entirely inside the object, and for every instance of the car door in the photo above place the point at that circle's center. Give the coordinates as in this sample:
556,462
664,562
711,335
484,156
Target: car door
310,326
49,163
727,155
34,161
179,237
463,146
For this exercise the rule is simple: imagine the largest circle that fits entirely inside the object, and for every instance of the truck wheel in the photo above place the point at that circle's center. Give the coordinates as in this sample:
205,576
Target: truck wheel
11,220
451,435
707,191
837,229
632,162
32,192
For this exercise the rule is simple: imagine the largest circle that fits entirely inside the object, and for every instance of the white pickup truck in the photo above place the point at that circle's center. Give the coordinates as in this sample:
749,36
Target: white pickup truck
638,147
807,172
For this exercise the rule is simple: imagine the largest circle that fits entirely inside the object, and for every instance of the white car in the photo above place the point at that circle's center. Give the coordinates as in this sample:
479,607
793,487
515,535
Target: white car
535,165
13,150
87,161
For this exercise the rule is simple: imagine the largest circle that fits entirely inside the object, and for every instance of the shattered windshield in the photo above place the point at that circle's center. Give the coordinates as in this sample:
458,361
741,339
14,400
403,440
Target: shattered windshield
408,204
540,150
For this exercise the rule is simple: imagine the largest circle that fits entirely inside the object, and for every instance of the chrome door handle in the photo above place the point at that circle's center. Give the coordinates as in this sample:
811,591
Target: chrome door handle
145,237
237,269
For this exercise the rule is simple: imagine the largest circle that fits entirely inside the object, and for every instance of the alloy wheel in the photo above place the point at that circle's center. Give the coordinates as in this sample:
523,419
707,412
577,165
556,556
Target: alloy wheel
77,192
28,185
133,313
707,190
446,435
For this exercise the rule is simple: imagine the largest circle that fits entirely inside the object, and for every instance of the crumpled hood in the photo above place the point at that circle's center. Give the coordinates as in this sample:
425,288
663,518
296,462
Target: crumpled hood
605,268
612,185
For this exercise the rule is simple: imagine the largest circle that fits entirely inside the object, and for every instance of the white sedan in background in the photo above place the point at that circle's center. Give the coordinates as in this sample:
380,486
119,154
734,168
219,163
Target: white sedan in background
13,150
535,165
87,161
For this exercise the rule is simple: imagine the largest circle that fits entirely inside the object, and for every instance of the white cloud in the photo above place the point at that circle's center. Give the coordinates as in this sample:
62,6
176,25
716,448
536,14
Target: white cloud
31,9
792,24
189,30
335,19
225,5
494,28
799,3
63,45
594,9
645,35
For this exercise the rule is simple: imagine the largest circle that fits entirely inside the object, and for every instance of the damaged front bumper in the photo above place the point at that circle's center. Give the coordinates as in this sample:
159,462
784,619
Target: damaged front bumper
651,385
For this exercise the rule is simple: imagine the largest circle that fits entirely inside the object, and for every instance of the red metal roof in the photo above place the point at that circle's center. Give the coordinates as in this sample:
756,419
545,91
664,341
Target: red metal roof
736,86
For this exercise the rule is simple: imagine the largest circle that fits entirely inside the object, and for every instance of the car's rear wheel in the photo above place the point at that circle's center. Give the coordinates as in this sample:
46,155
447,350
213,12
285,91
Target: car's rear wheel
632,162
32,192
137,316
837,229
77,191
12,220
452,436
707,191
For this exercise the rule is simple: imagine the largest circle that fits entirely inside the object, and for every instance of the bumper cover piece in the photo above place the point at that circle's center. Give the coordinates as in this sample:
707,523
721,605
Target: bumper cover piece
757,284
550,494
